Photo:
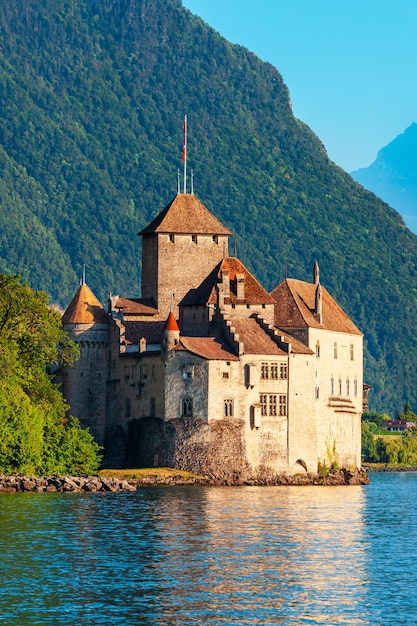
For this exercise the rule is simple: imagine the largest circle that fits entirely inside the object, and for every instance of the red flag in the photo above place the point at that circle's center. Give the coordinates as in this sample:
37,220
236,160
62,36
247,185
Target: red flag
184,144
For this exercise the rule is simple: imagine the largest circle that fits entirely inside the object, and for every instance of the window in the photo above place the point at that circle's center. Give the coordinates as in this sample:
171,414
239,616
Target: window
318,348
188,371
225,375
194,238
340,386
127,407
352,354
172,238
152,407
332,386
228,408
355,387
283,405
283,372
274,370
215,239
264,371
186,407
317,392
335,350
272,405
347,387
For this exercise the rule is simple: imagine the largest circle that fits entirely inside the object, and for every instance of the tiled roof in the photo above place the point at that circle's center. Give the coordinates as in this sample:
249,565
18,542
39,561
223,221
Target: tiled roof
135,306
297,347
295,304
171,323
84,308
206,293
255,340
153,332
210,348
186,214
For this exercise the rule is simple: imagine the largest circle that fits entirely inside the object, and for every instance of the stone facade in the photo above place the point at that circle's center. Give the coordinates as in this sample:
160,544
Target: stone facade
207,371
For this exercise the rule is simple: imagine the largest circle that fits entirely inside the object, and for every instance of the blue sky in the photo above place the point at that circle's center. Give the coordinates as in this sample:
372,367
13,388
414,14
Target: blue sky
350,65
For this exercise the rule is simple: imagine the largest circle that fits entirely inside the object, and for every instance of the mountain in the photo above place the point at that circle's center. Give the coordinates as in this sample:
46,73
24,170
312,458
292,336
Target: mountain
393,175
92,97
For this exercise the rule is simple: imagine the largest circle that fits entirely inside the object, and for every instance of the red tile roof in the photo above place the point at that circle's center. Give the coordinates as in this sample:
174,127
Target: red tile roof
135,306
84,308
254,293
153,332
171,323
186,214
295,304
210,348
255,340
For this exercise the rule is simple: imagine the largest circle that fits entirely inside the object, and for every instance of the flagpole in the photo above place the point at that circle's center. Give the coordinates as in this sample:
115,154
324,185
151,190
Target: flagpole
185,154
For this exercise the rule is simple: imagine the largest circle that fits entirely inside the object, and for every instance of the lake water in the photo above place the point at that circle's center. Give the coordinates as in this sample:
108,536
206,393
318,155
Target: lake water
212,555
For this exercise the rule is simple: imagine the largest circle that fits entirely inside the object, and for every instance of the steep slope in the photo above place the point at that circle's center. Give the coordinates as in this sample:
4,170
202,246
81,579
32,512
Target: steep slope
393,175
91,104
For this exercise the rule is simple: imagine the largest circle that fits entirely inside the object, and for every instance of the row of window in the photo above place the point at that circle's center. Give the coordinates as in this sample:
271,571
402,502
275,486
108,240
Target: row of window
214,238
274,371
338,388
271,405
335,350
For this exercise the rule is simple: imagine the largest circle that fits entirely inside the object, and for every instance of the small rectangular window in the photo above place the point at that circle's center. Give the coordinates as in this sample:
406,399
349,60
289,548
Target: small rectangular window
283,405
352,354
263,401
274,371
335,350
272,405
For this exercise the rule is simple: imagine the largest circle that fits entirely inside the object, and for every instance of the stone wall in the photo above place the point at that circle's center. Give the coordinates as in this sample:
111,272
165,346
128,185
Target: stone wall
214,450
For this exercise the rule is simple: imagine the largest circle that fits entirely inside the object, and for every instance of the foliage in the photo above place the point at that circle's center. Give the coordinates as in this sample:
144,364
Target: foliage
373,417
91,104
35,436
389,449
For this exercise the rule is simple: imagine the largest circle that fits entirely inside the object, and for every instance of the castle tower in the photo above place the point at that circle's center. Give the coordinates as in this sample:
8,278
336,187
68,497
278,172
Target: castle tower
179,248
84,384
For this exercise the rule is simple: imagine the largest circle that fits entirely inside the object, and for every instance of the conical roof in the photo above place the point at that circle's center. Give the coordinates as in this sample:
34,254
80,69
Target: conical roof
186,214
84,308
171,323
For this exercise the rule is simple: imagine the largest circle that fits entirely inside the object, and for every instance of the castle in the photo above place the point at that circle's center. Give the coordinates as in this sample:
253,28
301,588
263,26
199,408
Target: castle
209,372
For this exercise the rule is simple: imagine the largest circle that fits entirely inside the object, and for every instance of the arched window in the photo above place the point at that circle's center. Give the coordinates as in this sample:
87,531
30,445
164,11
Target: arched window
228,408
186,407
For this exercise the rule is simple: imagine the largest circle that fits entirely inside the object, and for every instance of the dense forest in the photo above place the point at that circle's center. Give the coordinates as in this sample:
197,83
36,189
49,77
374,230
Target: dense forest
92,98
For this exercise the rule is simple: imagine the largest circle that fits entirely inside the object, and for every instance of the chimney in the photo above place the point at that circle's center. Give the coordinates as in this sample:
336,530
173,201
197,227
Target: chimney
240,286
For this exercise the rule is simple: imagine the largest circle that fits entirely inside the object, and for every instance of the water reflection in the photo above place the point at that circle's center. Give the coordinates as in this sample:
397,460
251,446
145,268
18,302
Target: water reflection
287,555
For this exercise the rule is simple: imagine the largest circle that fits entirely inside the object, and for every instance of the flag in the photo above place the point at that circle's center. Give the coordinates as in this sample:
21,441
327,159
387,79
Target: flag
184,144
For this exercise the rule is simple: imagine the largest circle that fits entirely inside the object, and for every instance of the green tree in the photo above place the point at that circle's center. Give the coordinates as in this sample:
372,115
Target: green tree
368,443
35,434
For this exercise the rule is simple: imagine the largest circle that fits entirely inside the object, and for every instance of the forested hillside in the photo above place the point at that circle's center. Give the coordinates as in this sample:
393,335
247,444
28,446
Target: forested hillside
93,93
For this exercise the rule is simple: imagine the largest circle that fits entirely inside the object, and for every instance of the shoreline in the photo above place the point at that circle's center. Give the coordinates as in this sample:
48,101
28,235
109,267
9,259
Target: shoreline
106,484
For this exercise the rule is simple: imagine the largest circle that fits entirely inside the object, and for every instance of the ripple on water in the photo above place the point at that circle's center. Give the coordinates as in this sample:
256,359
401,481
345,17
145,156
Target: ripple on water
196,555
